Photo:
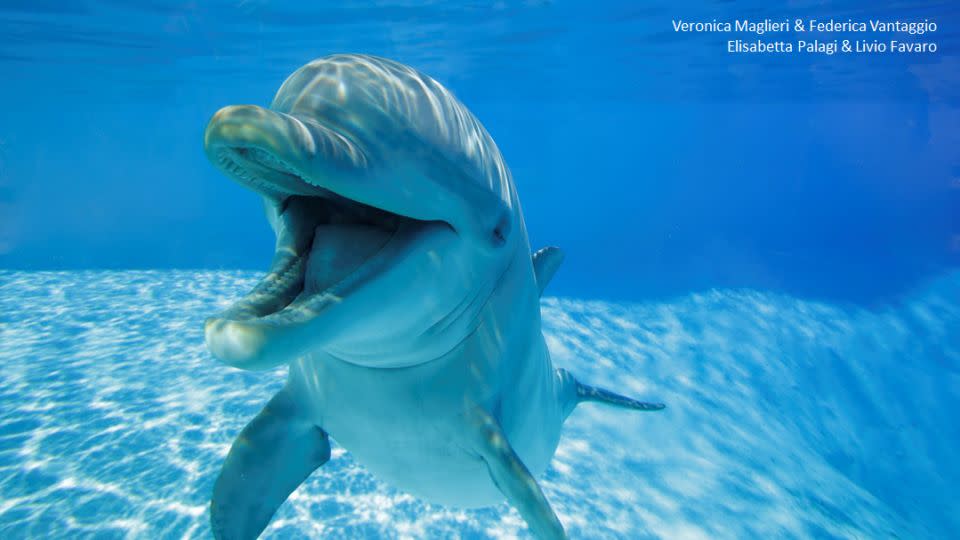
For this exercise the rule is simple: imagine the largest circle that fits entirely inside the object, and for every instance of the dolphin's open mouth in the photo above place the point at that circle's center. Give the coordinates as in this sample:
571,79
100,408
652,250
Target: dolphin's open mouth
324,238
327,246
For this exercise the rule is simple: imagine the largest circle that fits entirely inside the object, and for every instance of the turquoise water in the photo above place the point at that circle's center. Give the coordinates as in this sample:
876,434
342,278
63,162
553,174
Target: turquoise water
768,244
787,418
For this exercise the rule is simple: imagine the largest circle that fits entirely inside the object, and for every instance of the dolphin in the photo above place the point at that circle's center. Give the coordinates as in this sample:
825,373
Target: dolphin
402,295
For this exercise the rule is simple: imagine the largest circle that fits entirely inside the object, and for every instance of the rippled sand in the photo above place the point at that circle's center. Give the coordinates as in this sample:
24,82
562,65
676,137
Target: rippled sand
786,418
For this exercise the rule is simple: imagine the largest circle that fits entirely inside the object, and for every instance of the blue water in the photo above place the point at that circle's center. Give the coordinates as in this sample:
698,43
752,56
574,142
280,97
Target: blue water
787,418
659,162
770,245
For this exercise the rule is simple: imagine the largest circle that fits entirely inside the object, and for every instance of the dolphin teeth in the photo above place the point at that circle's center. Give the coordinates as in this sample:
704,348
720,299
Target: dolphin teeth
266,159
261,171
280,286
227,163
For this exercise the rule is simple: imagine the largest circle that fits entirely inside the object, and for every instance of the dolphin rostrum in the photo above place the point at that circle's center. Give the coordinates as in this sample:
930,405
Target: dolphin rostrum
402,295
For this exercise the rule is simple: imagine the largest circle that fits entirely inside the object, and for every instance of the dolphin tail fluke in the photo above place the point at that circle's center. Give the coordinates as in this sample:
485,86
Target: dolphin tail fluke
545,264
275,453
573,392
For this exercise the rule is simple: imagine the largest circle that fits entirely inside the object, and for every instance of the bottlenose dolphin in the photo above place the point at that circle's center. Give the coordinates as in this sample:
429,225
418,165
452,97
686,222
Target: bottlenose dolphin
402,295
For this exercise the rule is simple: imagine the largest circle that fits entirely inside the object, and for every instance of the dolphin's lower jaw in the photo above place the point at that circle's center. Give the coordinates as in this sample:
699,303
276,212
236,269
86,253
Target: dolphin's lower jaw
327,244
294,306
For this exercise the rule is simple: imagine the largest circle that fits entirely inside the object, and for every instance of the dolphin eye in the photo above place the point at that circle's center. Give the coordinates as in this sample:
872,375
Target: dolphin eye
502,229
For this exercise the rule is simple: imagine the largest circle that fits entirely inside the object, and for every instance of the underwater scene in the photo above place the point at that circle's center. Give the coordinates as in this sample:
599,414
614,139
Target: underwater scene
538,269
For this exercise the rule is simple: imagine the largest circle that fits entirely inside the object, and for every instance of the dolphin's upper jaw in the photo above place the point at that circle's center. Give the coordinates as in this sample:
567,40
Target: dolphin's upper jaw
261,172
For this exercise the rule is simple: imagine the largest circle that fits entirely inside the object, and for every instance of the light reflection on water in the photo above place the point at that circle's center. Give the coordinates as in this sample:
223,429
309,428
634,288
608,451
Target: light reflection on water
786,418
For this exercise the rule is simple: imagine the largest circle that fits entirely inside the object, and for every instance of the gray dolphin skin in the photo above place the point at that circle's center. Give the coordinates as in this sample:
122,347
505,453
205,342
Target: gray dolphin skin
402,295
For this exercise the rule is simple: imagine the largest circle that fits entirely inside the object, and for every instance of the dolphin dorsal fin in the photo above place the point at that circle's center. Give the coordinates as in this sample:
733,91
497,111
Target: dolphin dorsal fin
545,264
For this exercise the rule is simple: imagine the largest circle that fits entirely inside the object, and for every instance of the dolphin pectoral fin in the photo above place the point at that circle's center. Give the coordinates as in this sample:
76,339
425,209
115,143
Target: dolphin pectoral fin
275,453
545,264
572,392
513,479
